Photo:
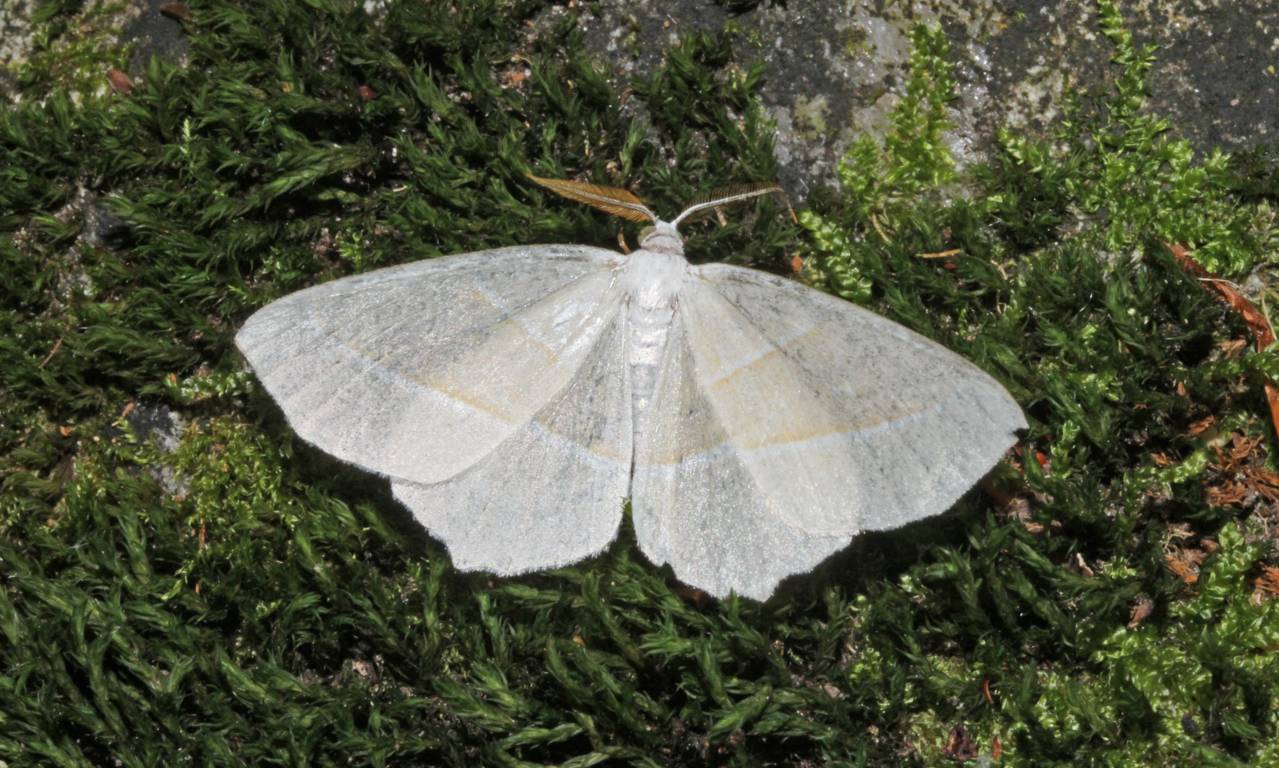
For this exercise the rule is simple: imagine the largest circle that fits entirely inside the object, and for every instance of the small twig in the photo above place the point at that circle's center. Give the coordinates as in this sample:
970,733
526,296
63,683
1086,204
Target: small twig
941,254
1220,280
789,209
621,241
56,346
874,222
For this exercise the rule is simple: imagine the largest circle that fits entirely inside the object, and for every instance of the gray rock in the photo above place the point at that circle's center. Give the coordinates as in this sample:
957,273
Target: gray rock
159,423
164,426
101,226
834,70
152,33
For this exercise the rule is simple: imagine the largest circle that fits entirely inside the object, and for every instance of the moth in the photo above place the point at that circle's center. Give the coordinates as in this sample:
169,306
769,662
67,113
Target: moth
516,397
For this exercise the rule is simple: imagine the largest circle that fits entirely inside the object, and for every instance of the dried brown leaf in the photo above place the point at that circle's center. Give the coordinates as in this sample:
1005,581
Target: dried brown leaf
1256,321
514,76
1142,607
120,82
1266,586
176,11
1232,347
960,746
1185,563
1262,481
1225,495
1201,426
1242,447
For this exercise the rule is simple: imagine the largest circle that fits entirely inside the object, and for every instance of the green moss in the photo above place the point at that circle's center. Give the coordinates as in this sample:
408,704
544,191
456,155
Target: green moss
244,599
74,46
810,117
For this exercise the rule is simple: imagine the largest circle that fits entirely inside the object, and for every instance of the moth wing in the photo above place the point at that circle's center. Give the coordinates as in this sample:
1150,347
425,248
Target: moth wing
552,492
421,370
694,503
787,420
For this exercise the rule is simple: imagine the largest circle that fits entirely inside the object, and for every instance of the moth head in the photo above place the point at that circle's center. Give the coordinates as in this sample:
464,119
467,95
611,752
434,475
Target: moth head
662,237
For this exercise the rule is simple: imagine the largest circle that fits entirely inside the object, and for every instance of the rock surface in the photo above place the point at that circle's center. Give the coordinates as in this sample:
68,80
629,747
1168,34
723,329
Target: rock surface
834,70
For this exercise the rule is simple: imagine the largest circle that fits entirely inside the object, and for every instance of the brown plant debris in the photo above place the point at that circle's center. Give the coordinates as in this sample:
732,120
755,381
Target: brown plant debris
960,746
1142,607
1266,586
1243,476
1256,321
1184,562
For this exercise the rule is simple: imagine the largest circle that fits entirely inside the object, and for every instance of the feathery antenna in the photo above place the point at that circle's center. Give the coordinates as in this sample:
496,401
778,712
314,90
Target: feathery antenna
614,200
733,194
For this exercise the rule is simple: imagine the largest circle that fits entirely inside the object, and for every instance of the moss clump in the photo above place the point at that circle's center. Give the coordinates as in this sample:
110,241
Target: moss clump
241,599
73,46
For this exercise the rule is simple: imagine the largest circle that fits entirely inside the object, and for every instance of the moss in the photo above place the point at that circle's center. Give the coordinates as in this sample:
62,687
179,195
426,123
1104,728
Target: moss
74,46
810,116
243,599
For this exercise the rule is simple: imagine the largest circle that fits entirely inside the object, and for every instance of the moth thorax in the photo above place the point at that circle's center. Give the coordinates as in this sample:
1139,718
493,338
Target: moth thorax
653,278
662,238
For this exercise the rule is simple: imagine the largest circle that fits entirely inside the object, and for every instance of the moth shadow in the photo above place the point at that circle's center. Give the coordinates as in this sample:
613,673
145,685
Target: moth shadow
870,557
873,556
353,485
